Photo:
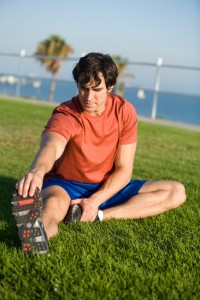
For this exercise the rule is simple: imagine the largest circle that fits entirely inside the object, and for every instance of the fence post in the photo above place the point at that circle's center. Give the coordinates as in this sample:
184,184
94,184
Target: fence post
156,87
21,56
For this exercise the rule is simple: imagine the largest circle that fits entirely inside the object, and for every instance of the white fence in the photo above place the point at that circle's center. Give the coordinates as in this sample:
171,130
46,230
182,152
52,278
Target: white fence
18,70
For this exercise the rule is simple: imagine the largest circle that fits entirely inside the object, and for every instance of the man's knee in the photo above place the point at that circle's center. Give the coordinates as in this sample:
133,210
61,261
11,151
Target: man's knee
51,215
177,194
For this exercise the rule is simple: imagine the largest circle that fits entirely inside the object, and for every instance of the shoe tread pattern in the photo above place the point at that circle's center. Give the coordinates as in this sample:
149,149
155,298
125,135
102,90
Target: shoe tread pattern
29,218
28,207
27,214
34,247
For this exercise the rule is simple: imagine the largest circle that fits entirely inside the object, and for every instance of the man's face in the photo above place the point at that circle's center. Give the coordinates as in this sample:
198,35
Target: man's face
93,98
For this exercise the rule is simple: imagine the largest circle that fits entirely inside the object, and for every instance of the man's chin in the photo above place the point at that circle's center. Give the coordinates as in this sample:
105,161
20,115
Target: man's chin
89,108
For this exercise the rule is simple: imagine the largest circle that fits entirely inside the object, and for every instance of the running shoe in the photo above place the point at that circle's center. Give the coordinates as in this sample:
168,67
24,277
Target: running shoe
74,214
27,214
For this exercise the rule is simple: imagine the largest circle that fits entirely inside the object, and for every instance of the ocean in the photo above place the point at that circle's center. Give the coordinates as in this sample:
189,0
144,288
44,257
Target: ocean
175,107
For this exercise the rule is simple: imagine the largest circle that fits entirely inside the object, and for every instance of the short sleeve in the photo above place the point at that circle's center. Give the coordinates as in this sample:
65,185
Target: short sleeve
129,124
62,124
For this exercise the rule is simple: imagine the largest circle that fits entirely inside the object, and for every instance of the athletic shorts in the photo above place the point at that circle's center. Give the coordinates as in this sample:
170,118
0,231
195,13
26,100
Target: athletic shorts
85,190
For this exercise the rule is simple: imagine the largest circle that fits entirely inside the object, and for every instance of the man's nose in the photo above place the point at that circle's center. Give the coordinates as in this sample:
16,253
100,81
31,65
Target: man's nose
89,94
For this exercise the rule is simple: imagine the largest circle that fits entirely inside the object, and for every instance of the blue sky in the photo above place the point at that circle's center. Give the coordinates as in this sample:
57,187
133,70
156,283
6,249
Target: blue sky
139,30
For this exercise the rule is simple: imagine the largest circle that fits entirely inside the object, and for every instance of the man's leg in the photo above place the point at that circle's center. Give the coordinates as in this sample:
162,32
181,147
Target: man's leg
56,204
154,197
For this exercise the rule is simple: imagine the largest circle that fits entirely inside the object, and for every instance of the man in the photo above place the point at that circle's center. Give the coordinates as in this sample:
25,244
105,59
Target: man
87,153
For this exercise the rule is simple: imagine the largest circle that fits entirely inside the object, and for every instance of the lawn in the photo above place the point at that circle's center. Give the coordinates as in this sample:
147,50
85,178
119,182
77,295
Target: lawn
153,258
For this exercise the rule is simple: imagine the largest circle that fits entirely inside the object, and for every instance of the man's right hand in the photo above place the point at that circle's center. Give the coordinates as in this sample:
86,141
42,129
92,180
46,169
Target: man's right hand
29,182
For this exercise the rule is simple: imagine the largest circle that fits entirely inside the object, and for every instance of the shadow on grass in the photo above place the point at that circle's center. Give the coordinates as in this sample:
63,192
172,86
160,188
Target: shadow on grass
8,231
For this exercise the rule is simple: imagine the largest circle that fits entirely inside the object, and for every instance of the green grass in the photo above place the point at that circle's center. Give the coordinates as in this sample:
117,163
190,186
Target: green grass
153,258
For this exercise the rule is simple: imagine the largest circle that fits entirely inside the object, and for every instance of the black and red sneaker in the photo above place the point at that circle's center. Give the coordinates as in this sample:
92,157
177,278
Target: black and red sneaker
27,214
74,214
20,204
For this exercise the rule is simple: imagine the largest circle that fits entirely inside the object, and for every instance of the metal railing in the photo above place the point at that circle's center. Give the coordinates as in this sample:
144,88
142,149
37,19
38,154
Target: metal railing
155,86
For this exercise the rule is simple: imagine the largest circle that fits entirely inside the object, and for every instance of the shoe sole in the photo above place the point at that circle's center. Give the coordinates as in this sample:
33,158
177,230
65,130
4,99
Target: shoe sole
74,214
27,214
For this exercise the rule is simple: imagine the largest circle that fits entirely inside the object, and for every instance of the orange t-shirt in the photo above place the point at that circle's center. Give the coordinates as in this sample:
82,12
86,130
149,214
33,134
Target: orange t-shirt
92,141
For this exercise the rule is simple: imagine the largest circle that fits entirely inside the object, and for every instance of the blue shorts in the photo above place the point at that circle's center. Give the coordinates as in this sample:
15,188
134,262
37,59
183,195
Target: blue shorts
85,190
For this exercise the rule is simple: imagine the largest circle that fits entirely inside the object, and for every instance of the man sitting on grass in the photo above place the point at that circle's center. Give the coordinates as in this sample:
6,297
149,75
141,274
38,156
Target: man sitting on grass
87,153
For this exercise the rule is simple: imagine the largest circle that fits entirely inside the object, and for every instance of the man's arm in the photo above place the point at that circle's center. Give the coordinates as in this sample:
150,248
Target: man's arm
115,182
51,148
120,177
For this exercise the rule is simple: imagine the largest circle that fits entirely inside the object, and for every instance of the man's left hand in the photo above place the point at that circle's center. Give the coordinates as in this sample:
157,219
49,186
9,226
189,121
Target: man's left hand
89,208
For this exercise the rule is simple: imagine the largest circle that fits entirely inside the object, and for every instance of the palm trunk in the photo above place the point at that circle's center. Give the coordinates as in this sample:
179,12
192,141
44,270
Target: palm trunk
52,88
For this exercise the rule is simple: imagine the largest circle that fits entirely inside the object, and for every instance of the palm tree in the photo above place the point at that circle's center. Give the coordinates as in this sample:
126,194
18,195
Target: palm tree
121,64
53,46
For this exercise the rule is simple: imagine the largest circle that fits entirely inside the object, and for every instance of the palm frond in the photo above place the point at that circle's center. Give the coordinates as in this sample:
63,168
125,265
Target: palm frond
53,46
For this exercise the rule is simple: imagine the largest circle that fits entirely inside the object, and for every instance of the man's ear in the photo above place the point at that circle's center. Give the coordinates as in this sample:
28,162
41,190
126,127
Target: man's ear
110,88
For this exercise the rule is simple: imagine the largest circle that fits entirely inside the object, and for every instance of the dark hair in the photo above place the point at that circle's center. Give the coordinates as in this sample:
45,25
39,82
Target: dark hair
91,65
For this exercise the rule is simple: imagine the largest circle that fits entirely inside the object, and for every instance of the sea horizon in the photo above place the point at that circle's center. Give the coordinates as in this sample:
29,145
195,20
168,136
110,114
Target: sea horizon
170,106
